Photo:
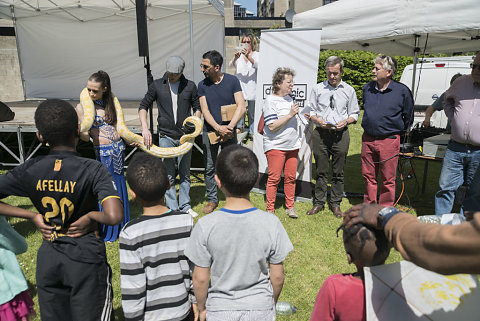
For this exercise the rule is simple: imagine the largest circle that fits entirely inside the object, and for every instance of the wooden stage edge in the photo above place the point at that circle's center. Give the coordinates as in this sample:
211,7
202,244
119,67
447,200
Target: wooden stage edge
25,110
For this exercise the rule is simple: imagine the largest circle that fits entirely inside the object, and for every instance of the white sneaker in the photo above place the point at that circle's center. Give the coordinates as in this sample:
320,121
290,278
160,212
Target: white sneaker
192,212
291,212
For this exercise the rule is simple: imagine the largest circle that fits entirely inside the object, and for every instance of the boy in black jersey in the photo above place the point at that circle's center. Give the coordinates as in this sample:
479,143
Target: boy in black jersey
73,276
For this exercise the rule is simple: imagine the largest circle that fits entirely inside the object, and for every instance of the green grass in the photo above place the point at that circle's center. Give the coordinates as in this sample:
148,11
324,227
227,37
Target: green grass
317,251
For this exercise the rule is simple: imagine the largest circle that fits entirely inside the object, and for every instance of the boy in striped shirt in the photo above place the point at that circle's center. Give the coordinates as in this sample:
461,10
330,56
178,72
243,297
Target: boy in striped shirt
155,274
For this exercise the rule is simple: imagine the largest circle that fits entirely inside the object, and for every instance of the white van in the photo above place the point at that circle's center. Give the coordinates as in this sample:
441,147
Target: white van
432,79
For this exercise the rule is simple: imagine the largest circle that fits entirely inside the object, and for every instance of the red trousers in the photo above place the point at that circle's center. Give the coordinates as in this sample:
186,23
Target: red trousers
380,155
278,161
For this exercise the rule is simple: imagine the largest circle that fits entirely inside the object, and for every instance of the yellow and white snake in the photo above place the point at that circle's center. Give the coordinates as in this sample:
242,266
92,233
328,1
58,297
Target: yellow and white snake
186,141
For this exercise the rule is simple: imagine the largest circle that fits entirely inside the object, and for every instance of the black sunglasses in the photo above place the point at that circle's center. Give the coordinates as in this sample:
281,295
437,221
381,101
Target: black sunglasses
332,102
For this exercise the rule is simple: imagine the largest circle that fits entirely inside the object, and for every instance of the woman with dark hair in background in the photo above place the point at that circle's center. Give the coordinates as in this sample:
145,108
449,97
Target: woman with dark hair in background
109,147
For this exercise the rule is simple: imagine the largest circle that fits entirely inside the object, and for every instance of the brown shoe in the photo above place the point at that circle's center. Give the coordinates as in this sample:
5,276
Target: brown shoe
209,207
315,209
337,211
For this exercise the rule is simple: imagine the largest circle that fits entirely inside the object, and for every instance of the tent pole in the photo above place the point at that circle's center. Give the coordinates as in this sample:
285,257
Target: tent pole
190,7
142,35
149,82
415,60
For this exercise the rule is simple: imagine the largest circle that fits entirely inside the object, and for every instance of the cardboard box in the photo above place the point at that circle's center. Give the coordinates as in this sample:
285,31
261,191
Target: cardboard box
213,138
227,112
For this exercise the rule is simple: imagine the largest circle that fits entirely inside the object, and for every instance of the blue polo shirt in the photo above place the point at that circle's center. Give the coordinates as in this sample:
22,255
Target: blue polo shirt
387,112
218,95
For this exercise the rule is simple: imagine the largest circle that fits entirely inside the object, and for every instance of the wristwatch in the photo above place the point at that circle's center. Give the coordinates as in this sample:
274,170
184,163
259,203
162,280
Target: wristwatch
387,213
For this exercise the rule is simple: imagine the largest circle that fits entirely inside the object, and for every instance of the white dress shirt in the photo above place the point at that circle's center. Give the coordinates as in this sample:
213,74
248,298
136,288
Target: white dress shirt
334,105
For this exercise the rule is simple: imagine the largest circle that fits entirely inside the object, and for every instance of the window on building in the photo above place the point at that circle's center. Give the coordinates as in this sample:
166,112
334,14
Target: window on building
239,11
328,1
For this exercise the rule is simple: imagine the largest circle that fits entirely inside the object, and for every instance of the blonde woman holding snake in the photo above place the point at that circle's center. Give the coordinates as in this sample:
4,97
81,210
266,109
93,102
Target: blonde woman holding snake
109,147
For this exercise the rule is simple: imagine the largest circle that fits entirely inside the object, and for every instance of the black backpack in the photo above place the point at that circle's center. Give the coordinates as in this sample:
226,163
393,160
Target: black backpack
5,112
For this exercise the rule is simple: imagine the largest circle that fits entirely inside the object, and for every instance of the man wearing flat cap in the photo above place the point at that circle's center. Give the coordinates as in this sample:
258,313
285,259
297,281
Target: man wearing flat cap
177,99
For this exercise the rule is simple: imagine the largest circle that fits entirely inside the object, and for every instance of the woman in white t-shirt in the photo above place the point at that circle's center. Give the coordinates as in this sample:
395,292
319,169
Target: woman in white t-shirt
281,140
245,62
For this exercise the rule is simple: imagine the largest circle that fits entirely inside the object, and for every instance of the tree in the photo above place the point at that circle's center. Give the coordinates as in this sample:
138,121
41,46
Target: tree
358,67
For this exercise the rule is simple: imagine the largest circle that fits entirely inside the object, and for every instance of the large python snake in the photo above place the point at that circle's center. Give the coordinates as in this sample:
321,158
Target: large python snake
186,141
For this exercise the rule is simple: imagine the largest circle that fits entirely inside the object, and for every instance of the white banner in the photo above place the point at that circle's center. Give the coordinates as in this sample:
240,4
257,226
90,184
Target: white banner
299,50
404,291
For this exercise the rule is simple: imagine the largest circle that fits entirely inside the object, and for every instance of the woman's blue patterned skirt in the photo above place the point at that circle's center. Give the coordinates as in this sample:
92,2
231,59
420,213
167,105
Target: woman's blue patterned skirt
113,157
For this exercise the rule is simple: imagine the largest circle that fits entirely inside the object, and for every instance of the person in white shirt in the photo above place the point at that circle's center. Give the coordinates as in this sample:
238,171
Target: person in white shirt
245,62
280,139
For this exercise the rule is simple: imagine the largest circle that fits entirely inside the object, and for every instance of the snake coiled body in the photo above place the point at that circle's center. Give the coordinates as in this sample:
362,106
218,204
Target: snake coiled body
186,141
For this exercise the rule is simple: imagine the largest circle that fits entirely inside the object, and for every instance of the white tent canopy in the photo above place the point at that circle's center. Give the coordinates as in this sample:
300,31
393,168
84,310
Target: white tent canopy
397,27
61,43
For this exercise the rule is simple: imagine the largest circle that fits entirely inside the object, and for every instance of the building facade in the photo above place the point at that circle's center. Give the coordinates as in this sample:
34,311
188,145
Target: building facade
270,14
277,8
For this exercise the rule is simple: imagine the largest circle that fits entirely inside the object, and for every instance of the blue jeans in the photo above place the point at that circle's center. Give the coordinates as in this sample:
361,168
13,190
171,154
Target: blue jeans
210,153
183,203
459,167
241,123
251,115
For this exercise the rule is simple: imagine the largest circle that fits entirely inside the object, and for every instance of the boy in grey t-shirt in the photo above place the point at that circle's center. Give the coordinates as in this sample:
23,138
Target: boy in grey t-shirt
234,248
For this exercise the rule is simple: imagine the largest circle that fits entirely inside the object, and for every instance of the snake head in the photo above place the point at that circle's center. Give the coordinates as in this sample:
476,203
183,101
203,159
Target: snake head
188,128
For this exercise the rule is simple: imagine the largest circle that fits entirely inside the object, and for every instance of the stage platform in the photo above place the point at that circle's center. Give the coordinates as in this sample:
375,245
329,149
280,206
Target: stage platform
25,110
18,141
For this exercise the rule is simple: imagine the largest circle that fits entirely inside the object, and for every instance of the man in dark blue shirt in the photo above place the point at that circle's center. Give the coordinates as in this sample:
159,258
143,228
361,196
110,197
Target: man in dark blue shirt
388,112
216,90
